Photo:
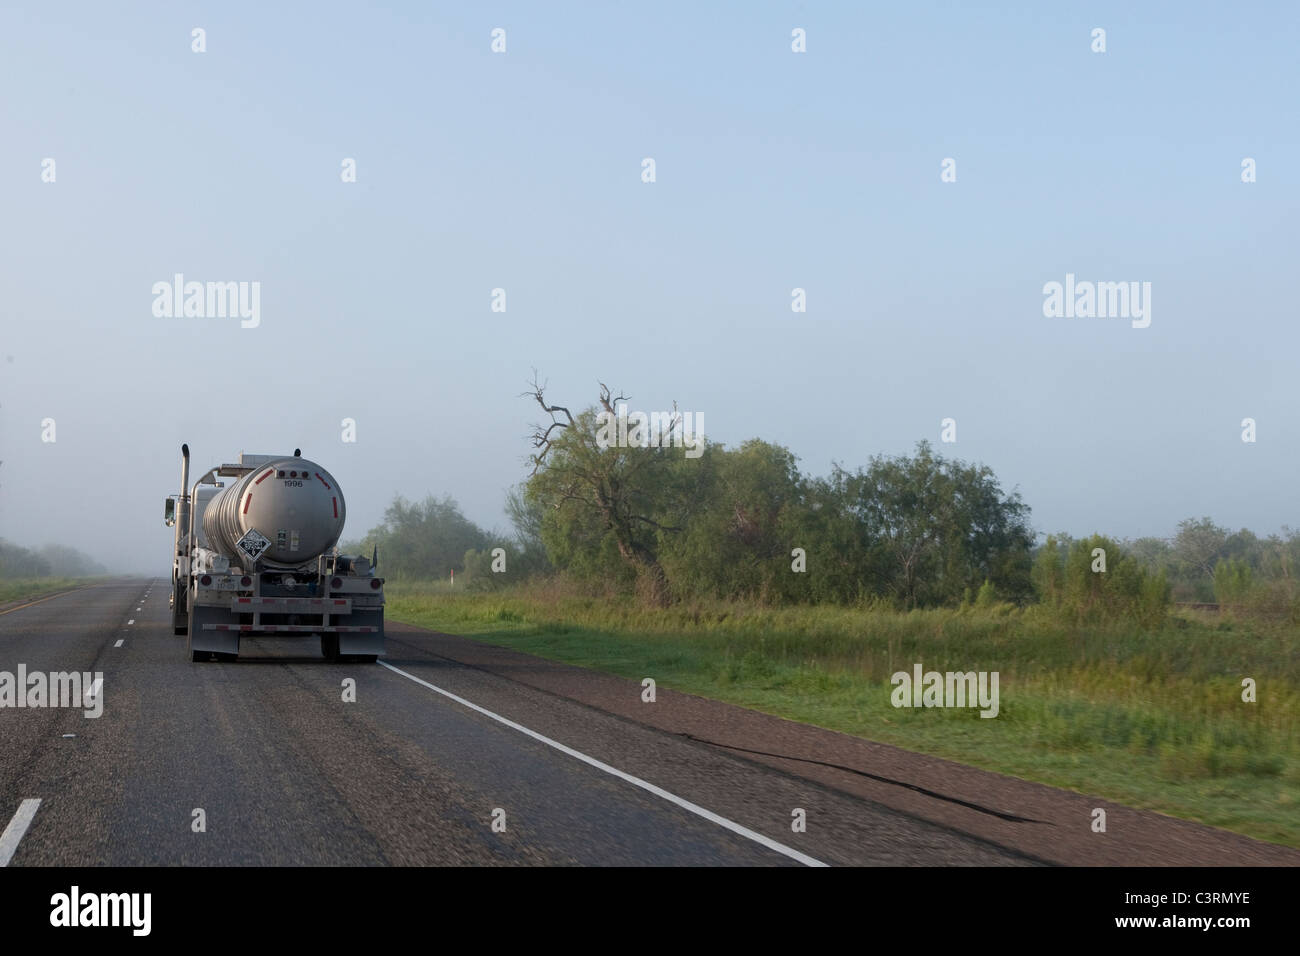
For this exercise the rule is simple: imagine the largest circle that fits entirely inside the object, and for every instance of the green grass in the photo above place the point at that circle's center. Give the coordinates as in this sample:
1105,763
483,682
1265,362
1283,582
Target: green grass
18,589
1150,719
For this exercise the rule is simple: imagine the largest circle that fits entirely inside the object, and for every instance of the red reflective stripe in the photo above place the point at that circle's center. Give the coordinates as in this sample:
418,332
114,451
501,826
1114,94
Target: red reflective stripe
268,474
249,500
336,506
245,600
340,602
322,480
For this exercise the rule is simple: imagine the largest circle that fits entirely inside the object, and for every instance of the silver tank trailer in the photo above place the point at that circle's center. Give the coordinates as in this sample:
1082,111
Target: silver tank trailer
293,502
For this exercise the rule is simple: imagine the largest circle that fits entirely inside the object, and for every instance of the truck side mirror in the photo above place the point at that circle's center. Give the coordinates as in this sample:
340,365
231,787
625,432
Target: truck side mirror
169,512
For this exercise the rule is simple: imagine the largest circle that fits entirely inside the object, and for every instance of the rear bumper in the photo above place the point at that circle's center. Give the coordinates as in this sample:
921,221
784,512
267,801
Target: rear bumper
291,629
224,638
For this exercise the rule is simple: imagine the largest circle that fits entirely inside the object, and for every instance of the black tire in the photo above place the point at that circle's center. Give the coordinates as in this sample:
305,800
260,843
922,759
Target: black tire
198,657
329,647
180,617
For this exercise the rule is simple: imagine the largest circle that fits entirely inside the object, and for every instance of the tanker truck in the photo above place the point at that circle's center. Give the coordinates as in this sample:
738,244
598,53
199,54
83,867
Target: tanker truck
257,556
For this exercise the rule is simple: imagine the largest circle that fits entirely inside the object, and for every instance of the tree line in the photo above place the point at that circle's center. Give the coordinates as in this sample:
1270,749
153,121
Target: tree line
917,530
53,560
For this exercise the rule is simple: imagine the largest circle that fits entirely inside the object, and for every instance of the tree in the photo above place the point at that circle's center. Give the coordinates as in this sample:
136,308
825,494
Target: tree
68,562
19,562
1232,580
521,556
1071,580
423,540
1280,554
1199,544
745,518
946,525
604,502
1152,553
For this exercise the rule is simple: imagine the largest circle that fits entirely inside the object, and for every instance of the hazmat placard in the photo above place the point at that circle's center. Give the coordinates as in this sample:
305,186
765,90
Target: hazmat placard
252,544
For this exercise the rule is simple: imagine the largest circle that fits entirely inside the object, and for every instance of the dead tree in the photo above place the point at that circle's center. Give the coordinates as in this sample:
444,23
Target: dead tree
618,488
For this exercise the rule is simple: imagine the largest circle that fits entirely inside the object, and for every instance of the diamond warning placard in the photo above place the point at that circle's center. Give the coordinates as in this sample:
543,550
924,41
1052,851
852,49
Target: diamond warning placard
252,544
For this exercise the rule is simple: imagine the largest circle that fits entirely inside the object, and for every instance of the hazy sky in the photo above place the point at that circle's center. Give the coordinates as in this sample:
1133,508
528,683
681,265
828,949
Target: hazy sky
523,170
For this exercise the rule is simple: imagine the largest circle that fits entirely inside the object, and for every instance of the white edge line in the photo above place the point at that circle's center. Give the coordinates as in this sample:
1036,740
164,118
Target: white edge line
635,781
17,827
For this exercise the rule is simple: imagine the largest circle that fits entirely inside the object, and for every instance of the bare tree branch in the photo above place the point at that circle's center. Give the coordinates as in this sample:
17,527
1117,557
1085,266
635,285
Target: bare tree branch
541,436
608,403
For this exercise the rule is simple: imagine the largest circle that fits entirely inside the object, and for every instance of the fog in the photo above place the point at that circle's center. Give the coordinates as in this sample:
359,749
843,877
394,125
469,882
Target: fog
523,171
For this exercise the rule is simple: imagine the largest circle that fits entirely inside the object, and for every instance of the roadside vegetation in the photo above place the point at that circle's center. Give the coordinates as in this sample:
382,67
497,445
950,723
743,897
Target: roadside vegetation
734,575
28,573
21,589
53,560
1148,717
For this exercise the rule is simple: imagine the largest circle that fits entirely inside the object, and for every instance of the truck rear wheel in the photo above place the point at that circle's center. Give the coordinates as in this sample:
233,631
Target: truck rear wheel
180,617
329,646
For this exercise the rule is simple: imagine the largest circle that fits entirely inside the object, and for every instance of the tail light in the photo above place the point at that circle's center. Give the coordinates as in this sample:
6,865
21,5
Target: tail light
336,583
376,584
205,580
245,582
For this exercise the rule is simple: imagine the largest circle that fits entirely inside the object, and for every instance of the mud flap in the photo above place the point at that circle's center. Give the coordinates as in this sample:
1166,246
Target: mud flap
354,643
216,642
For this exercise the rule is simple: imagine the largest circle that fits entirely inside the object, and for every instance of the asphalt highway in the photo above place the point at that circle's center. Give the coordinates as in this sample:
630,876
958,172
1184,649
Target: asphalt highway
445,753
